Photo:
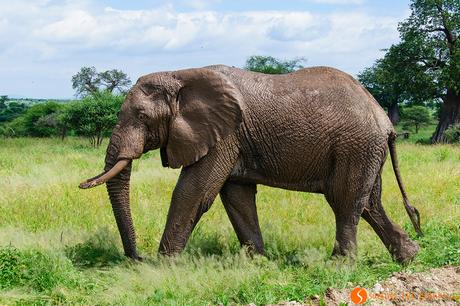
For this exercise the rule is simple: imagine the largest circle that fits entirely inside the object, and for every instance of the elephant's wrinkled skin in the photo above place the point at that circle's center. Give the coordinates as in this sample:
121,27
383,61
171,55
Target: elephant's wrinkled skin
314,130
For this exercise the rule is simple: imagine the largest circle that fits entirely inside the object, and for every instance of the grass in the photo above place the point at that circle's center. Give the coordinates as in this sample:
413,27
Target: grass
60,245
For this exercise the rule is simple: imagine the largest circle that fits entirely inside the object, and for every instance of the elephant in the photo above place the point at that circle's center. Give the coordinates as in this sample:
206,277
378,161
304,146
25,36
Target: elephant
313,130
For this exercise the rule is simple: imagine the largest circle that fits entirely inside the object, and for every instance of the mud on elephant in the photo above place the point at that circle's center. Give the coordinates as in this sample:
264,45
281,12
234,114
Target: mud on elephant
314,130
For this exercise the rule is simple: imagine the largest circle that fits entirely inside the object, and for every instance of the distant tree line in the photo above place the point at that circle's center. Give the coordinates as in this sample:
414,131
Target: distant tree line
92,116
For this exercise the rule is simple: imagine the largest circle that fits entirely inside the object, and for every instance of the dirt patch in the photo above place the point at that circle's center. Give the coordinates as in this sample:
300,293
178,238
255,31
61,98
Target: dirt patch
439,286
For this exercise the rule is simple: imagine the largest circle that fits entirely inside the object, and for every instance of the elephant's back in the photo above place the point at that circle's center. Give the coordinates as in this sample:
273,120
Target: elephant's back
341,94
325,95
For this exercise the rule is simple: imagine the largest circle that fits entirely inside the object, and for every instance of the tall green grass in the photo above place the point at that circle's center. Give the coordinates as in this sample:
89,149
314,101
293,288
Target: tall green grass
60,245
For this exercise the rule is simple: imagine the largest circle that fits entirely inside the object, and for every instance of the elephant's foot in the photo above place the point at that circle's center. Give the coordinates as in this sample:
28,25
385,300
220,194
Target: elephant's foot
345,237
135,257
406,251
252,249
344,251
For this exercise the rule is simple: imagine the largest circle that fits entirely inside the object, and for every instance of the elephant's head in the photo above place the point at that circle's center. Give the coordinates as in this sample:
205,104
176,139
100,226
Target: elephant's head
184,113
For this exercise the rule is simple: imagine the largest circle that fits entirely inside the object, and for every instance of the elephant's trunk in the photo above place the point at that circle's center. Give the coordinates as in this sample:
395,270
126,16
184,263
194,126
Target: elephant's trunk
117,177
118,189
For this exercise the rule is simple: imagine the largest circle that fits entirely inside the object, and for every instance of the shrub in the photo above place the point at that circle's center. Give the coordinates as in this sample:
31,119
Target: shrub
94,116
416,116
34,121
452,134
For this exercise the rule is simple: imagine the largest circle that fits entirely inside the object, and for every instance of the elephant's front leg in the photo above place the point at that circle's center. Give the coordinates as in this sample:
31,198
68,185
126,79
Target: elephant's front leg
240,203
196,189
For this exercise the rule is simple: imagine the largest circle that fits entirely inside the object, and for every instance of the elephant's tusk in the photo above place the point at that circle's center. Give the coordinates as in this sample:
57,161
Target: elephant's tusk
104,177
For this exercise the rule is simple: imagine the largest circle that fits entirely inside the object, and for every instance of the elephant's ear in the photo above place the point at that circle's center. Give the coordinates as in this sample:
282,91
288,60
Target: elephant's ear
207,109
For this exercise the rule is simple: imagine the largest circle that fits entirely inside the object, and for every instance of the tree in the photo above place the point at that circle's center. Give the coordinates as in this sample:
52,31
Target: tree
429,52
416,116
94,116
115,79
55,121
3,100
11,111
271,65
383,89
388,81
88,81
31,123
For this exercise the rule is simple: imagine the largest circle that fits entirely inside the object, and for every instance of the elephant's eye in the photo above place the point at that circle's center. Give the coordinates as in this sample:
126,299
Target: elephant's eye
141,116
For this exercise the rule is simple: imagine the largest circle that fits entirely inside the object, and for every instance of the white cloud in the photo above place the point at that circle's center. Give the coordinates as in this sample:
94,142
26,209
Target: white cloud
55,40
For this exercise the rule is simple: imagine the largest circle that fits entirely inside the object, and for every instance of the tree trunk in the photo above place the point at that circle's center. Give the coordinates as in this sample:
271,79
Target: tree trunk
450,115
394,113
63,133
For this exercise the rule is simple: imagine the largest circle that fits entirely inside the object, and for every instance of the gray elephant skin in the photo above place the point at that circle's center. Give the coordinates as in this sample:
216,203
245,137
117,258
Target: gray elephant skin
314,130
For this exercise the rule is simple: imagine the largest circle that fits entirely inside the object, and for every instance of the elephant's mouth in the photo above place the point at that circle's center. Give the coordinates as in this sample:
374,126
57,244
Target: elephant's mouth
105,176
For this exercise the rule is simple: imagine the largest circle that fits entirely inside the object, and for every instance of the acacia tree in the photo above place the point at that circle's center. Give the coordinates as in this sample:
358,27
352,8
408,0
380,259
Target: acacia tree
416,116
430,53
271,65
88,81
115,80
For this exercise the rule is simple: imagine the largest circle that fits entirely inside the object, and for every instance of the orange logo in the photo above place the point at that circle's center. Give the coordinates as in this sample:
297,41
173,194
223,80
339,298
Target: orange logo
358,296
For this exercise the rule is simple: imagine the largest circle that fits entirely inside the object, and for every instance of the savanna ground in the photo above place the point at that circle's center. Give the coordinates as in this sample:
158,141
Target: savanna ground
60,245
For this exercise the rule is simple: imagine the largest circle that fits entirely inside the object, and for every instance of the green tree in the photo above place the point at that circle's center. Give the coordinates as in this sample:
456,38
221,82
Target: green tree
88,81
427,61
55,121
31,122
11,111
388,81
3,100
383,89
94,116
115,80
271,65
416,116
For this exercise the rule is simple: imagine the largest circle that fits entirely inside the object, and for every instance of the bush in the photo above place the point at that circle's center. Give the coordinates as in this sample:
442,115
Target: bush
12,110
452,134
94,116
34,121
271,65
416,116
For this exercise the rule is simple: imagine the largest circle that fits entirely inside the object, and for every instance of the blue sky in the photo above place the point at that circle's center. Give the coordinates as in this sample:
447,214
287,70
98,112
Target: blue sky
44,42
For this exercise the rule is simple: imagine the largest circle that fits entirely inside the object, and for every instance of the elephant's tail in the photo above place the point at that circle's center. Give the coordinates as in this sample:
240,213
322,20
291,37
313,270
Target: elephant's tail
413,213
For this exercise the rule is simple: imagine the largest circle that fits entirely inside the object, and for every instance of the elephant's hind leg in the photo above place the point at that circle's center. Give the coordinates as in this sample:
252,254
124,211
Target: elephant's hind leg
240,203
346,222
348,192
398,243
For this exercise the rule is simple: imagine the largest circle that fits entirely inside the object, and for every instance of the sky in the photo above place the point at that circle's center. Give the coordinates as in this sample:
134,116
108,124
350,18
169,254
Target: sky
44,42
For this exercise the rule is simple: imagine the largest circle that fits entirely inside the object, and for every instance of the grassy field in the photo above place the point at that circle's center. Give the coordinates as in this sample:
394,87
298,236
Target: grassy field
60,245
